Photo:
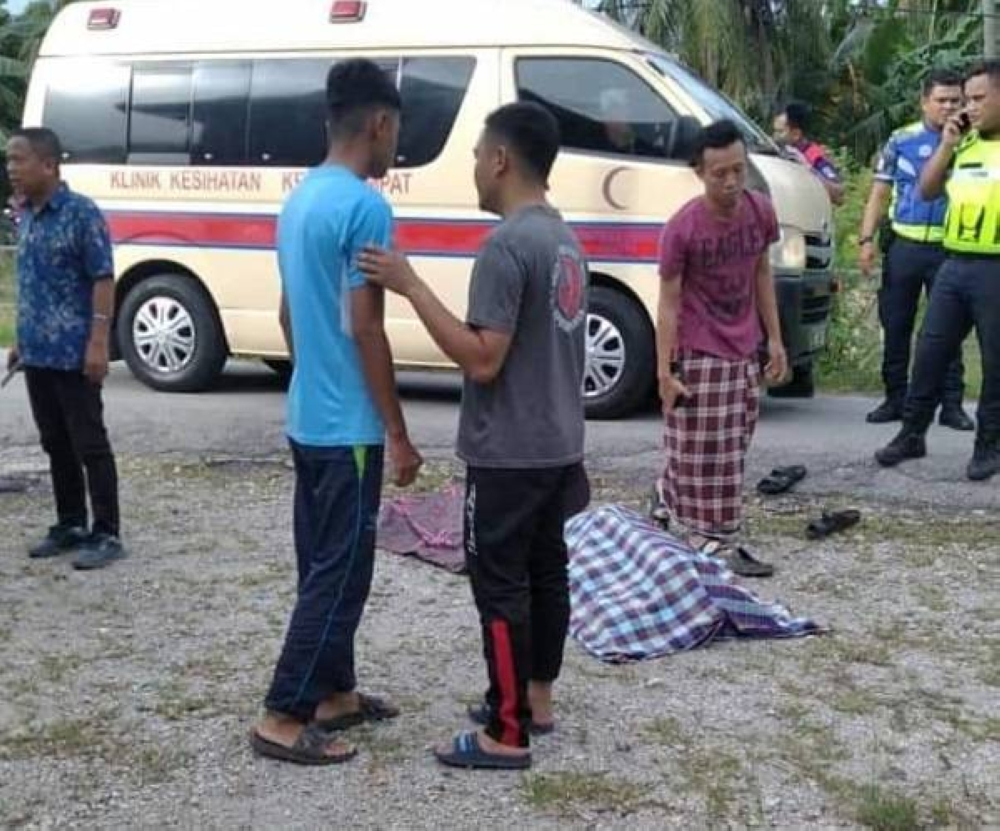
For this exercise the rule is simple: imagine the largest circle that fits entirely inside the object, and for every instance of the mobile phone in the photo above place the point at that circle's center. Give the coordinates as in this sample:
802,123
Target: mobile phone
964,122
678,372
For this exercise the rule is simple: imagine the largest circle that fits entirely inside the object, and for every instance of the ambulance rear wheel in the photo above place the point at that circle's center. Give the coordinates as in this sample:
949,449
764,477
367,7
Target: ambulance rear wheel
170,335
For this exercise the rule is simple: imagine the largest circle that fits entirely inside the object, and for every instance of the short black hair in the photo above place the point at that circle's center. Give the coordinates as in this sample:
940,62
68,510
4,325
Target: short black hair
990,68
44,142
531,131
799,115
940,78
715,136
354,89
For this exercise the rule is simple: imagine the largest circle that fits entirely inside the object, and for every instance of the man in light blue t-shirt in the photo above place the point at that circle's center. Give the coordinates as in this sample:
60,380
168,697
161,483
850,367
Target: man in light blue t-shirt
342,406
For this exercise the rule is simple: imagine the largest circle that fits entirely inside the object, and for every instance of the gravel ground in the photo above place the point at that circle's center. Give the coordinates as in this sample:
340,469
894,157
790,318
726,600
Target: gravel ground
126,695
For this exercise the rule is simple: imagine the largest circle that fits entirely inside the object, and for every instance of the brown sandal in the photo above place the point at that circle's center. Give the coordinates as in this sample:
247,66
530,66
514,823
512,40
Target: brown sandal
310,748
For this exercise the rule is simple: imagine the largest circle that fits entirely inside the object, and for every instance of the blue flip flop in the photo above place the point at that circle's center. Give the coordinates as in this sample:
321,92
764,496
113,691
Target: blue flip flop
466,753
480,714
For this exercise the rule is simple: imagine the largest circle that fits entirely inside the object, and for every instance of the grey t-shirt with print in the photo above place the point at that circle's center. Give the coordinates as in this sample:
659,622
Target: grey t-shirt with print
529,281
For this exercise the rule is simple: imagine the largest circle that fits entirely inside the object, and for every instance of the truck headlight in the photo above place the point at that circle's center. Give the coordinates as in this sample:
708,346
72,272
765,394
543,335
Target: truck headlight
789,252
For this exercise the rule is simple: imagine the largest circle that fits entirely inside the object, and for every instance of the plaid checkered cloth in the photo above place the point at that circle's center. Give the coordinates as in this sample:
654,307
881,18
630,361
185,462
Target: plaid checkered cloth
638,592
705,444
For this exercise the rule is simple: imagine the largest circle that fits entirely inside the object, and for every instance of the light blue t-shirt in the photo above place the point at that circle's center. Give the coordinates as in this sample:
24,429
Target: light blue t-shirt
325,223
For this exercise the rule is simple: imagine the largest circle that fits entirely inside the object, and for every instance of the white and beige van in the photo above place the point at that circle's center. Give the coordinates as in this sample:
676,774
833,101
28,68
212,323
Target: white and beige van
190,121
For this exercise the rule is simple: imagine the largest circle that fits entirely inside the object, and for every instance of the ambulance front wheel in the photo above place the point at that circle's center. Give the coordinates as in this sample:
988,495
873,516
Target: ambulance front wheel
620,363
170,335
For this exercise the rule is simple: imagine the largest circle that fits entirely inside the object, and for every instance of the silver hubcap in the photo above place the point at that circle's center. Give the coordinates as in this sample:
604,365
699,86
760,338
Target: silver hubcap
163,334
605,357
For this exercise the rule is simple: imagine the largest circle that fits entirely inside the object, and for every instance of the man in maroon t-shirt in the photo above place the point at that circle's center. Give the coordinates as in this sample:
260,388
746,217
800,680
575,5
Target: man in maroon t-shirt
716,291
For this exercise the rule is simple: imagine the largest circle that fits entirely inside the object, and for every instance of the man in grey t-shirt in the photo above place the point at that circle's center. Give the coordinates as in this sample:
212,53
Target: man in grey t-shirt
521,431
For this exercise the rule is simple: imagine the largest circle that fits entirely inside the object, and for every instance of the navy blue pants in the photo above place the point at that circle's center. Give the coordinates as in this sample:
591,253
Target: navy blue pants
910,268
966,295
337,493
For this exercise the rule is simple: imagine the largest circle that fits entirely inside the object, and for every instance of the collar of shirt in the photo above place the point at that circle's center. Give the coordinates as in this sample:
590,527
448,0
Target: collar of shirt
59,197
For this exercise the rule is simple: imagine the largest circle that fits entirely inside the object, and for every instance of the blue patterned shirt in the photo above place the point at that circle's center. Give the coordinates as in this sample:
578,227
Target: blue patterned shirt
63,249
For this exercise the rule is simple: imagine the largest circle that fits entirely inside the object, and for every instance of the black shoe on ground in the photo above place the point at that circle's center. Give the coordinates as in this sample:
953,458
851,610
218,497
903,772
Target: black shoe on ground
59,540
885,412
985,462
99,551
957,419
906,445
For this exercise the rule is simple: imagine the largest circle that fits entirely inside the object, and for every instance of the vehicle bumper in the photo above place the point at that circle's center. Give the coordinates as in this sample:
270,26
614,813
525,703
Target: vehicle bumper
805,300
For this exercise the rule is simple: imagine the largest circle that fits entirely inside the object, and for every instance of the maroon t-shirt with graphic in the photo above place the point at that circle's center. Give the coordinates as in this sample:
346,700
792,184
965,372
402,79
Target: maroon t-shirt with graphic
716,260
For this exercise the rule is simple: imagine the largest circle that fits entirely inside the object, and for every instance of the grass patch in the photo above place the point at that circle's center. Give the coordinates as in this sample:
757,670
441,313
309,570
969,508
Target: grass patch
6,299
884,811
567,792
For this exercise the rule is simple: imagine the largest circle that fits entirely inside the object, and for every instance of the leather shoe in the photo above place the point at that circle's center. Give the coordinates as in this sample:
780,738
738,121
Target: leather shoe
957,419
907,445
885,412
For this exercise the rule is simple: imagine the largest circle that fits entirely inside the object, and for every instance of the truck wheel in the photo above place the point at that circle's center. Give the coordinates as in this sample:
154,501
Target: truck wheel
619,372
802,385
170,335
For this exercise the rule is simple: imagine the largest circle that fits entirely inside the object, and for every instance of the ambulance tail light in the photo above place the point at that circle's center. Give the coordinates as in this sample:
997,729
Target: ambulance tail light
348,11
103,19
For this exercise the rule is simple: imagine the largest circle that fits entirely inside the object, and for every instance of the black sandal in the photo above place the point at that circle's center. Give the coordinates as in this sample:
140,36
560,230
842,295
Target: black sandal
781,480
369,709
832,522
309,748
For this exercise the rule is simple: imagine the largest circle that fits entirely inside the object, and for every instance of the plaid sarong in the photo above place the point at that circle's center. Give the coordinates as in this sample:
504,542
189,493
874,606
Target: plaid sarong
638,592
705,444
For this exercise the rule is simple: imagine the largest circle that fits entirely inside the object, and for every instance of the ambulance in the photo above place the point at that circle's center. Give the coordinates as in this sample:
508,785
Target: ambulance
190,121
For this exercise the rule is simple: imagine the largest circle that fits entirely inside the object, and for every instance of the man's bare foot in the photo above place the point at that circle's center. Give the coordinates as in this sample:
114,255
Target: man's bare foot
285,731
488,745
540,701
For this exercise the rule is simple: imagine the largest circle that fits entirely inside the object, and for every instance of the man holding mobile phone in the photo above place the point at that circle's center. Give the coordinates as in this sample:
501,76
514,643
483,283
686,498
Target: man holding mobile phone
716,289
967,289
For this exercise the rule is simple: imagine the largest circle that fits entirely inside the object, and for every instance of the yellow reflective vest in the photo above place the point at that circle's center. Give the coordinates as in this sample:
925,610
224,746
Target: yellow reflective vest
972,225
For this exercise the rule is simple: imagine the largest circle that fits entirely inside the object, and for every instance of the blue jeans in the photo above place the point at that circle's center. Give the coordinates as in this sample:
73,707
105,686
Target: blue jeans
966,295
337,493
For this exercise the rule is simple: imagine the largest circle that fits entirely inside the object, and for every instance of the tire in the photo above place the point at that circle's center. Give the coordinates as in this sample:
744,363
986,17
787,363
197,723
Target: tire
193,350
802,385
279,367
618,330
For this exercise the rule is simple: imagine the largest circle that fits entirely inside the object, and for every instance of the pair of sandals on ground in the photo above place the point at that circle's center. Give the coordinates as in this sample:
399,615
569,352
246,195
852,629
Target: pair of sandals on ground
737,557
316,740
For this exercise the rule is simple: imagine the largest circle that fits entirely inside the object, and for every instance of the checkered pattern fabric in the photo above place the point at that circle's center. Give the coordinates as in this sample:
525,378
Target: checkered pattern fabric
705,445
638,592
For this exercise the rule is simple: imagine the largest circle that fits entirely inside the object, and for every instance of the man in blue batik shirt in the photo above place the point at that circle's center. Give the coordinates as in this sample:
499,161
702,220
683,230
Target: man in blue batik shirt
65,287
913,251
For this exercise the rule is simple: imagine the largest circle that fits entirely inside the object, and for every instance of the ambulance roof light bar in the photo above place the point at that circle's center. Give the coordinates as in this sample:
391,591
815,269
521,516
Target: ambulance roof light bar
348,11
103,19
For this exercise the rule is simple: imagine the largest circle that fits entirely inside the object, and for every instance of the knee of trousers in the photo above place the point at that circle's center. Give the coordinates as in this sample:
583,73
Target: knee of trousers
57,446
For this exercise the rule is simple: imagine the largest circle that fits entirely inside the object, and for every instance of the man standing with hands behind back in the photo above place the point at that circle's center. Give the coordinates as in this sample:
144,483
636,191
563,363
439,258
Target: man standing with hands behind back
914,254
66,299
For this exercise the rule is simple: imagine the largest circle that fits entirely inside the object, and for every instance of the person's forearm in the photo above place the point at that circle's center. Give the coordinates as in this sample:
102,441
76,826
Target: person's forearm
935,173
667,316
835,190
376,365
103,304
458,341
767,302
875,208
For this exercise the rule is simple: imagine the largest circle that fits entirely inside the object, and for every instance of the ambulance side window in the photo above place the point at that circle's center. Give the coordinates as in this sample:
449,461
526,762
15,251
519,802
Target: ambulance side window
219,114
86,104
160,122
288,113
602,106
432,89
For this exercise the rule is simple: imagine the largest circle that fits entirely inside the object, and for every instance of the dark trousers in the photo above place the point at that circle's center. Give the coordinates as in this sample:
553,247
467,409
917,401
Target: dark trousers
69,413
910,269
516,556
337,493
966,294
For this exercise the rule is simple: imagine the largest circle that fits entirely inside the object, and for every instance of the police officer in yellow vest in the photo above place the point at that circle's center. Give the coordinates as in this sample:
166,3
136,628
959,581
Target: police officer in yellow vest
912,246
966,292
